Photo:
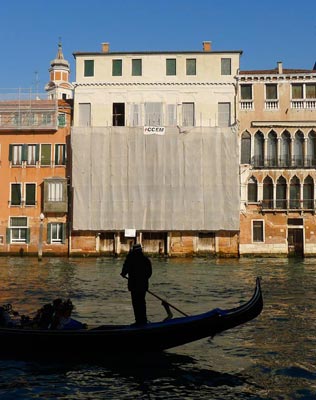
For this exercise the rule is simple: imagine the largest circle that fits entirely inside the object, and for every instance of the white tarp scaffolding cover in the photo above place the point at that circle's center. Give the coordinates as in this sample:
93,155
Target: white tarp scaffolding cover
177,181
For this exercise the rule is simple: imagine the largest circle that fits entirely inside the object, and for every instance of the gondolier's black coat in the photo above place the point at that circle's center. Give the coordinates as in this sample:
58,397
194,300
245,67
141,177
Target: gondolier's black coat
138,268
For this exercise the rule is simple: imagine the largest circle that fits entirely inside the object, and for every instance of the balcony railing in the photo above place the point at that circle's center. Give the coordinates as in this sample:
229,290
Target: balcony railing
283,162
271,104
303,104
246,104
307,205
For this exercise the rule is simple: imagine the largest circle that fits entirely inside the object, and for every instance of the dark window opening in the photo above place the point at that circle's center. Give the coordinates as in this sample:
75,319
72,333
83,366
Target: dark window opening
118,114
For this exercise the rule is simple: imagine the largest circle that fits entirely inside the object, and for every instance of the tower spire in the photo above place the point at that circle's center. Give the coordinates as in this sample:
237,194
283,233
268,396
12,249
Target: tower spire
59,86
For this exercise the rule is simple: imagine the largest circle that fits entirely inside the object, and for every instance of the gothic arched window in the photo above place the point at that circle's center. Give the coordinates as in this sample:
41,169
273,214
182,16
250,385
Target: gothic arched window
252,190
259,150
295,190
308,193
245,148
267,201
281,193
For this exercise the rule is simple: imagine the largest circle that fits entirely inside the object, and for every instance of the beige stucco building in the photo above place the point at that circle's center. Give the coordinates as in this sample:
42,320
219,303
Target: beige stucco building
277,133
155,152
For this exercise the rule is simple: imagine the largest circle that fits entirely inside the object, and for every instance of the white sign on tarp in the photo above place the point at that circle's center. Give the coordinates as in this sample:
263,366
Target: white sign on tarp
130,232
154,130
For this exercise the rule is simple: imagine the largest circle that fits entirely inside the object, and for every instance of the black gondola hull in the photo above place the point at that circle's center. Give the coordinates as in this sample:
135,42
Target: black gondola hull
125,339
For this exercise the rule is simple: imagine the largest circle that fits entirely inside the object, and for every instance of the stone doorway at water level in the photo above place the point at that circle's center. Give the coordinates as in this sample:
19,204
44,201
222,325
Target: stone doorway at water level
295,242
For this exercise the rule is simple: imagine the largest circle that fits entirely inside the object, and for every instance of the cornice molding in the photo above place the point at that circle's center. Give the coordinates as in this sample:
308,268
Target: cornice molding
111,84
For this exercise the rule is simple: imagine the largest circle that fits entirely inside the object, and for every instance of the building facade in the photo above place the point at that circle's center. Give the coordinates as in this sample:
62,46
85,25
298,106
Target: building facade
35,145
277,121
155,152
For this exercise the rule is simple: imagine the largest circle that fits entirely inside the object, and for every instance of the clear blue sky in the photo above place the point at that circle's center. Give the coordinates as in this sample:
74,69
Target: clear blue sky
266,31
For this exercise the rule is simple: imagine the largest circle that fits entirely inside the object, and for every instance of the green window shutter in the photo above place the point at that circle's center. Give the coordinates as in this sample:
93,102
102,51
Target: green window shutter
30,191
49,233
8,236
24,152
63,233
191,66
28,235
61,120
15,194
88,67
226,67
117,67
64,154
37,152
10,152
137,67
45,154
171,66
56,154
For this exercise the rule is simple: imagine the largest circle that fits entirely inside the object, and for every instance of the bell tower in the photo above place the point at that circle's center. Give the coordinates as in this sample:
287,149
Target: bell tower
59,86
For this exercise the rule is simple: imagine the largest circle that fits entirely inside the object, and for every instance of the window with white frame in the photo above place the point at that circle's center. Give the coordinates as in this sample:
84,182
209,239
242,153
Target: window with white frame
84,114
18,231
191,66
60,154
246,98
303,95
171,66
226,66
16,194
55,191
153,114
56,232
15,154
257,231
32,154
224,114
30,194
61,120
271,100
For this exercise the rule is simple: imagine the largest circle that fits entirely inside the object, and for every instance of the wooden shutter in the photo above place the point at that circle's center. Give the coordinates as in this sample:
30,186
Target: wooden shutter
223,114
84,114
49,233
8,235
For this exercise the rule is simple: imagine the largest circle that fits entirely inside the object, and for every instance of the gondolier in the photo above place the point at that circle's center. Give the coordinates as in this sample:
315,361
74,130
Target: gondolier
137,267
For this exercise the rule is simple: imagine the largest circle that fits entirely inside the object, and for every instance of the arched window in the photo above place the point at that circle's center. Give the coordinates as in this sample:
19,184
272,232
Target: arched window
311,149
285,149
295,189
245,156
258,150
272,149
252,190
267,201
299,149
281,193
308,193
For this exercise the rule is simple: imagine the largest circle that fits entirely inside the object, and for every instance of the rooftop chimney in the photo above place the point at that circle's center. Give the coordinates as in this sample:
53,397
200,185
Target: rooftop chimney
207,46
105,47
280,67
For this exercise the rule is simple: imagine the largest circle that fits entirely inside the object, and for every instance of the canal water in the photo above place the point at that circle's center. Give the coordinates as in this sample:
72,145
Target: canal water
272,357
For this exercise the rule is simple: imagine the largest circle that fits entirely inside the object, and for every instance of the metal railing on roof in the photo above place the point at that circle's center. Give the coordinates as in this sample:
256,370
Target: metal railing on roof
22,109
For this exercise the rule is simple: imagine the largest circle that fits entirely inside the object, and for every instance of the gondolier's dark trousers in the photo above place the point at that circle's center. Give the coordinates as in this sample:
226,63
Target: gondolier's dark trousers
139,306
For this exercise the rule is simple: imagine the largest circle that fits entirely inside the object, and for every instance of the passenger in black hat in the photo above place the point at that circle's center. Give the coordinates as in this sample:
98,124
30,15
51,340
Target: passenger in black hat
137,267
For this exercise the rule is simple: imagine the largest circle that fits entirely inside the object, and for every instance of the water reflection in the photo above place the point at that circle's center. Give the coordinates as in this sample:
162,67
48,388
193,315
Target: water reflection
272,357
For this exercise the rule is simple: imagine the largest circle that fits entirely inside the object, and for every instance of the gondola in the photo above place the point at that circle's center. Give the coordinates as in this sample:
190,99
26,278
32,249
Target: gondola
100,342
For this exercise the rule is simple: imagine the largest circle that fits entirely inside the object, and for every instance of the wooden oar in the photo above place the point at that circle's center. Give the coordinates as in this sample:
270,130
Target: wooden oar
165,303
